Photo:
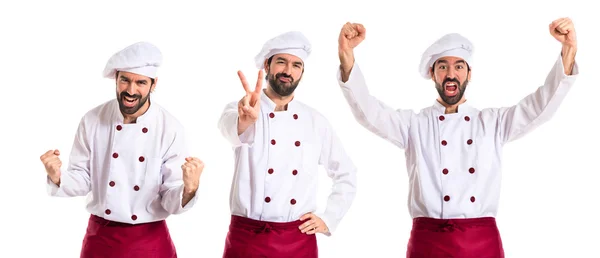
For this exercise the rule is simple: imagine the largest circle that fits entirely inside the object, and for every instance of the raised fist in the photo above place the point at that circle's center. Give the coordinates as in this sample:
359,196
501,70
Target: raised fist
350,36
563,30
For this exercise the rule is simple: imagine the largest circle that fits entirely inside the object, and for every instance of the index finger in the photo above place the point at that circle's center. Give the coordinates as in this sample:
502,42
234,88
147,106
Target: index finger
197,161
556,22
306,224
259,81
47,155
347,28
244,81
306,216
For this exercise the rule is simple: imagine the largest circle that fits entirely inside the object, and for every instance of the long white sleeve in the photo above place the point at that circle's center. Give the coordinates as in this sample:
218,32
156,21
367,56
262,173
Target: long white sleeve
75,180
342,171
172,187
377,117
539,106
228,123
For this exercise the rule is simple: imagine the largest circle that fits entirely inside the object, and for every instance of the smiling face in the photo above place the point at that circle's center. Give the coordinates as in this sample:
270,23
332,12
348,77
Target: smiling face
284,72
133,91
451,76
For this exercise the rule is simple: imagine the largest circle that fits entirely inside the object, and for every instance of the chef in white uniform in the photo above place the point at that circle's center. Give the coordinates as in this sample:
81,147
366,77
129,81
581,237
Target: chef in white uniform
130,158
454,150
279,144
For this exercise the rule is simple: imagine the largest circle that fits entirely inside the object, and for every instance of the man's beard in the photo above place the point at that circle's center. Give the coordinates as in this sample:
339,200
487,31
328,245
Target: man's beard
131,110
460,87
282,89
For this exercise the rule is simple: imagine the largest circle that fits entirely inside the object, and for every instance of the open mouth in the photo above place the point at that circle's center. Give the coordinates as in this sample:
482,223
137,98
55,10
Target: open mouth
450,89
129,101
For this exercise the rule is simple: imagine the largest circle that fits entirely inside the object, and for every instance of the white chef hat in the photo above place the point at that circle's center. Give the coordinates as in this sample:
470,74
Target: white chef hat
293,43
452,44
140,58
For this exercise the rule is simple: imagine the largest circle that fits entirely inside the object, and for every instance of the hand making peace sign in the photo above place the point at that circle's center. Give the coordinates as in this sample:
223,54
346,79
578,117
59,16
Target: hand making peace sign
249,105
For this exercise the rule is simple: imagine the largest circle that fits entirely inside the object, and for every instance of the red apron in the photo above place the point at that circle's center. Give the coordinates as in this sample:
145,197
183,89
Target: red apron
248,238
455,238
106,238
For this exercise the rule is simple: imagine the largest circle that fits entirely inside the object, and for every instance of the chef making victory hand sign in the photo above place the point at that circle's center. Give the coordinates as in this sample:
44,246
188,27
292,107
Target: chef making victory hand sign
249,105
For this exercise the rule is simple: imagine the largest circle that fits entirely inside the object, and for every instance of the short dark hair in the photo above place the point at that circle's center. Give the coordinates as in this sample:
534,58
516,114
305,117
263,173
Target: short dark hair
269,65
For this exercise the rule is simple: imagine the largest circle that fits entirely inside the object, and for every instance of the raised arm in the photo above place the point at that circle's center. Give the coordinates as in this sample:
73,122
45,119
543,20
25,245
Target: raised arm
75,181
371,113
237,122
539,107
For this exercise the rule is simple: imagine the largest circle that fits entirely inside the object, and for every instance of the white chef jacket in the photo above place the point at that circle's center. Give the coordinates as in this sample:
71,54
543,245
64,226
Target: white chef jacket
454,160
277,161
133,171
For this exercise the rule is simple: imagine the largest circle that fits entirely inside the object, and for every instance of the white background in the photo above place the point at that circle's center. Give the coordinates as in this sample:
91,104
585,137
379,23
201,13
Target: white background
53,53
